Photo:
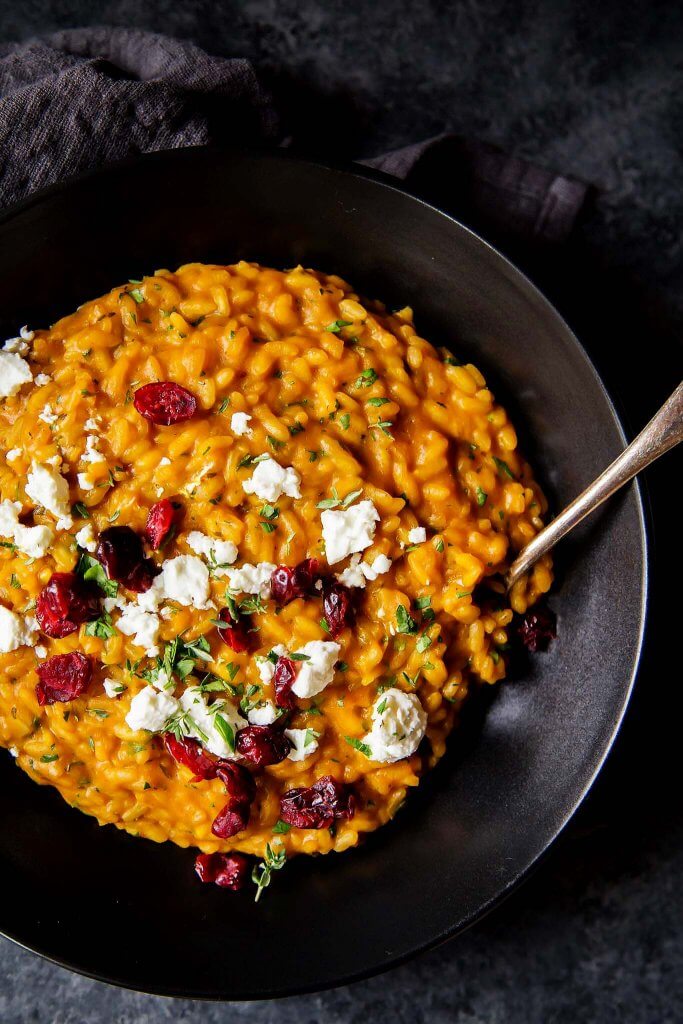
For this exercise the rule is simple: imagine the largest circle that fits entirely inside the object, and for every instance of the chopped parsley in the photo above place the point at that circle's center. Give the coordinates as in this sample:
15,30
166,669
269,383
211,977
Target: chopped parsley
281,827
224,728
80,510
438,544
335,501
90,569
377,401
365,379
135,293
274,443
405,623
359,745
224,404
101,627
47,758
503,467
14,582
482,497
423,642
336,326
344,421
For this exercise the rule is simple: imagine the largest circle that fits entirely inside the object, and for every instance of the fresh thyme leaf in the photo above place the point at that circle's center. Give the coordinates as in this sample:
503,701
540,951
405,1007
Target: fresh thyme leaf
281,827
80,510
377,401
224,404
438,544
274,443
296,428
350,498
481,497
463,593
47,758
98,712
269,511
295,656
344,421
384,427
381,708
424,641
268,527
14,582
136,294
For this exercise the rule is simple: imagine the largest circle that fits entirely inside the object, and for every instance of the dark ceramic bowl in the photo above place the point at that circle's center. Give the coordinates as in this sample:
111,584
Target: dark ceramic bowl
131,912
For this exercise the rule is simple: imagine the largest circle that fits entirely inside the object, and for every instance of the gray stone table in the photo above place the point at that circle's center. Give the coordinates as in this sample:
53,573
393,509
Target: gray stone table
595,90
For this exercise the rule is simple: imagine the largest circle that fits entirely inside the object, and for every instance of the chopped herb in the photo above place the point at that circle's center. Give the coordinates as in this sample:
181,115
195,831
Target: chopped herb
384,427
136,294
47,758
101,627
423,602
80,510
336,326
14,582
269,511
335,500
381,708
438,544
344,421
342,666
112,519
310,737
405,623
134,280
481,497
323,625
274,443
313,456
296,656
495,657
463,593
281,827
98,712
261,875
90,569
224,404
268,527
358,745
365,379
423,642
296,428
377,401
503,467
225,729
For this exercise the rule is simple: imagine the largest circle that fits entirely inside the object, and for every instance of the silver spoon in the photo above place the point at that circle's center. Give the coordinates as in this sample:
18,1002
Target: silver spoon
663,431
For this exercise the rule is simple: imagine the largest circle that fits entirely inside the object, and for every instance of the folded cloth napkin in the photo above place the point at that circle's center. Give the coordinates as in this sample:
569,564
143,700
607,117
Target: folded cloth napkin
78,99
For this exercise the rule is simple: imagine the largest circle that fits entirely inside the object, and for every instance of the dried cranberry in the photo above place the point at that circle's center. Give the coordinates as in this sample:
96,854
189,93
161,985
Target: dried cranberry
232,819
162,520
64,603
188,752
121,553
63,678
287,583
283,677
229,870
337,608
262,745
235,632
238,782
537,629
318,805
164,403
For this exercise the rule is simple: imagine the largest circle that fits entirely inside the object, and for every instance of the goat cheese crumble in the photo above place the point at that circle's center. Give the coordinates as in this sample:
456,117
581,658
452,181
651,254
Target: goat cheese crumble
239,424
214,725
357,573
251,579
270,481
15,632
218,553
418,535
46,486
348,530
265,713
398,724
14,373
33,541
304,743
150,709
317,671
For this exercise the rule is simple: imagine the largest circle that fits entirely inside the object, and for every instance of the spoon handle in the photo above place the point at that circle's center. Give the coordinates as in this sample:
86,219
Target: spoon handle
664,430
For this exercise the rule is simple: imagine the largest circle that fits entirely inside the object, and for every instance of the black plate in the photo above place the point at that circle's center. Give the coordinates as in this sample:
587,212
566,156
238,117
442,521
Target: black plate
129,911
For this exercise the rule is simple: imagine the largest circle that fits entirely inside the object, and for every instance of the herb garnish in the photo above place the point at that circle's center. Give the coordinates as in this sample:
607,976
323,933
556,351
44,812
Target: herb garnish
261,875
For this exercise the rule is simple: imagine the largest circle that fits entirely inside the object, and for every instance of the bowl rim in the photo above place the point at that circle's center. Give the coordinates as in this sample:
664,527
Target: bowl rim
383,180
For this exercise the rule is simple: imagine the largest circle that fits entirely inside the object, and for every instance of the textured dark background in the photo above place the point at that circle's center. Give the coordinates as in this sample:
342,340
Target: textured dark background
594,90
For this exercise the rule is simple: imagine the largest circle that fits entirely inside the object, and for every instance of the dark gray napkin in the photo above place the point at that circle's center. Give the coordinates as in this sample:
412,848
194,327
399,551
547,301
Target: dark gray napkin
78,99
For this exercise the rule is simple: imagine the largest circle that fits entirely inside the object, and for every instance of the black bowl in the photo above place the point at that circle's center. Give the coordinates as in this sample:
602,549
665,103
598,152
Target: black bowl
131,912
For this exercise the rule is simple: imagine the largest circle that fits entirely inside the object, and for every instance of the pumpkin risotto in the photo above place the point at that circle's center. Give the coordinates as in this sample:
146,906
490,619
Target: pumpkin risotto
253,530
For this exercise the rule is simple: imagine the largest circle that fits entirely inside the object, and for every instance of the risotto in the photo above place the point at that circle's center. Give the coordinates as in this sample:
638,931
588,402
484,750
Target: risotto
253,530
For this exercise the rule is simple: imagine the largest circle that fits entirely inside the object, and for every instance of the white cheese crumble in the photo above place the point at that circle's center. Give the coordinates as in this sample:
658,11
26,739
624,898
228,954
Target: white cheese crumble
142,626
40,651
92,452
84,482
14,373
418,535
85,538
47,487
266,667
41,379
113,688
218,553
150,709
318,670
359,572
398,725
31,540
304,743
251,579
348,530
217,737
165,461
265,713
14,631
13,454
48,415
270,480
239,424
92,424
160,678
184,579
21,343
